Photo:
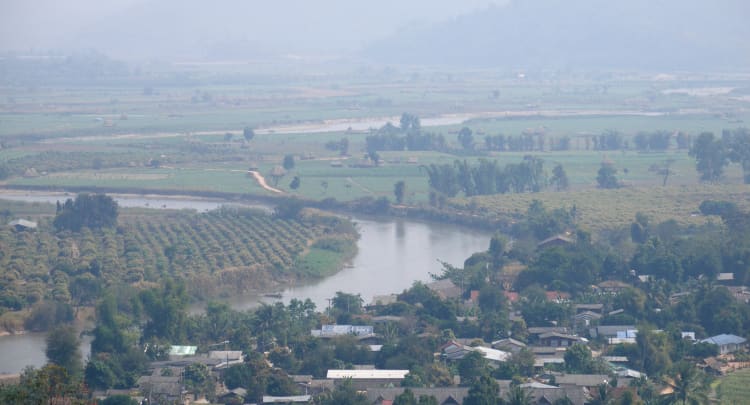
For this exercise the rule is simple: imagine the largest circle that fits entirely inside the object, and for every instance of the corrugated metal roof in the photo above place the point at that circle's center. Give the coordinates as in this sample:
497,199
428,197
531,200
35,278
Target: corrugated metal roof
285,400
725,339
182,350
367,374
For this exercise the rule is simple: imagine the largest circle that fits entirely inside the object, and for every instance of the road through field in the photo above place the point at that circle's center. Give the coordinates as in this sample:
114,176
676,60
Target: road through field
262,182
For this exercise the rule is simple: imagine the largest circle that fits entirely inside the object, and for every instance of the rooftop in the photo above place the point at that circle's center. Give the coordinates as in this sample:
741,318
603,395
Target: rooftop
23,223
725,339
367,374
182,350
584,380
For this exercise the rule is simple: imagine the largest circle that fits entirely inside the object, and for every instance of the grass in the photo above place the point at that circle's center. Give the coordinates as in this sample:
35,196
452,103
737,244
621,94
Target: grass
318,263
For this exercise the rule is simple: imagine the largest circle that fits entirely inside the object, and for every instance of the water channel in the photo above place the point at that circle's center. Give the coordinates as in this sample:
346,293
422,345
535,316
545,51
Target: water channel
393,253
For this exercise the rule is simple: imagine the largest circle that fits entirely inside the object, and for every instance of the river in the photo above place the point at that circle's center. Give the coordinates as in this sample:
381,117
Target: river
392,254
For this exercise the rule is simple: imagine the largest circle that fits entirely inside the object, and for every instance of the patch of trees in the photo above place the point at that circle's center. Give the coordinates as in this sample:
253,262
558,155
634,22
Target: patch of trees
487,177
408,136
713,154
652,141
606,177
341,146
93,211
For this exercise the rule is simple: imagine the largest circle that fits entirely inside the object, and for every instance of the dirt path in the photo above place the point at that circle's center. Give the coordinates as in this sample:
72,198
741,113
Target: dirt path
365,189
262,182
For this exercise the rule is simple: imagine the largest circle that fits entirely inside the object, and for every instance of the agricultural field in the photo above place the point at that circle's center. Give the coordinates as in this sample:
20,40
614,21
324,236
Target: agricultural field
183,132
599,209
734,388
221,252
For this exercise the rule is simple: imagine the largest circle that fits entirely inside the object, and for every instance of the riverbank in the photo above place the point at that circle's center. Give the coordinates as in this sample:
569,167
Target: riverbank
363,206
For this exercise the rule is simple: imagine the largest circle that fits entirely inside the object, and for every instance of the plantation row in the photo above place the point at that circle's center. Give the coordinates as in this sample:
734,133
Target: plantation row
225,250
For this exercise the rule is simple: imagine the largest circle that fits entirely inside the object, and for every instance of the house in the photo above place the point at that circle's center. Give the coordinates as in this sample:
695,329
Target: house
581,380
741,293
586,318
364,379
511,296
548,355
627,336
226,357
295,399
555,241
727,343
595,308
445,289
538,330
384,299
509,345
22,225
555,339
543,394
443,395
167,389
235,396
557,296
677,297
612,286
609,331
550,396
181,351
330,331
455,350
725,277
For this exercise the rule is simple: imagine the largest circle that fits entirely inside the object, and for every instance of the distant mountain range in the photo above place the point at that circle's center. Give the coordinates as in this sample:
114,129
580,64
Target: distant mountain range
582,34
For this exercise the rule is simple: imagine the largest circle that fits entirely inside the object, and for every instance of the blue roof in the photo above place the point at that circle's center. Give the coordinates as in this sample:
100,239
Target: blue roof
725,339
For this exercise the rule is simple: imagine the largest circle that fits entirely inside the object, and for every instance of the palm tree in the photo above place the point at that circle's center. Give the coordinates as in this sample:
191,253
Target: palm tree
689,385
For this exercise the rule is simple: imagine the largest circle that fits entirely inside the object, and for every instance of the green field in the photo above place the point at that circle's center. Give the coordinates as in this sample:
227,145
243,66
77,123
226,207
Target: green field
734,388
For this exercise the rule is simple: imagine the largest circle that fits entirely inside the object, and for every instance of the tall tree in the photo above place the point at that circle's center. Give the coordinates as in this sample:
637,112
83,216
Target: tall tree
484,391
578,359
466,138
399,190
410,123
288,163
710,156
559,178
606,177
739,149
405,398
87,210
63,349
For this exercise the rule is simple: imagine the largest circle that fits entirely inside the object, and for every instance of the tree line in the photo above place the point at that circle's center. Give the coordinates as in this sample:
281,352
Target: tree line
488,177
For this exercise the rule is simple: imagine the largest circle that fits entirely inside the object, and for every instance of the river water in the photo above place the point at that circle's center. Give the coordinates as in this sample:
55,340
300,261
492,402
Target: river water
393,253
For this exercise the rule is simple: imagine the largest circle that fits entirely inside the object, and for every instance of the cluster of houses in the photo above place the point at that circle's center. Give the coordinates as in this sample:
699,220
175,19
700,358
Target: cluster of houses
548,346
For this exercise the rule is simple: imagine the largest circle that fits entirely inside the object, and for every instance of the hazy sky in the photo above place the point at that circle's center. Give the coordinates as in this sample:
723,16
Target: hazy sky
306,24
